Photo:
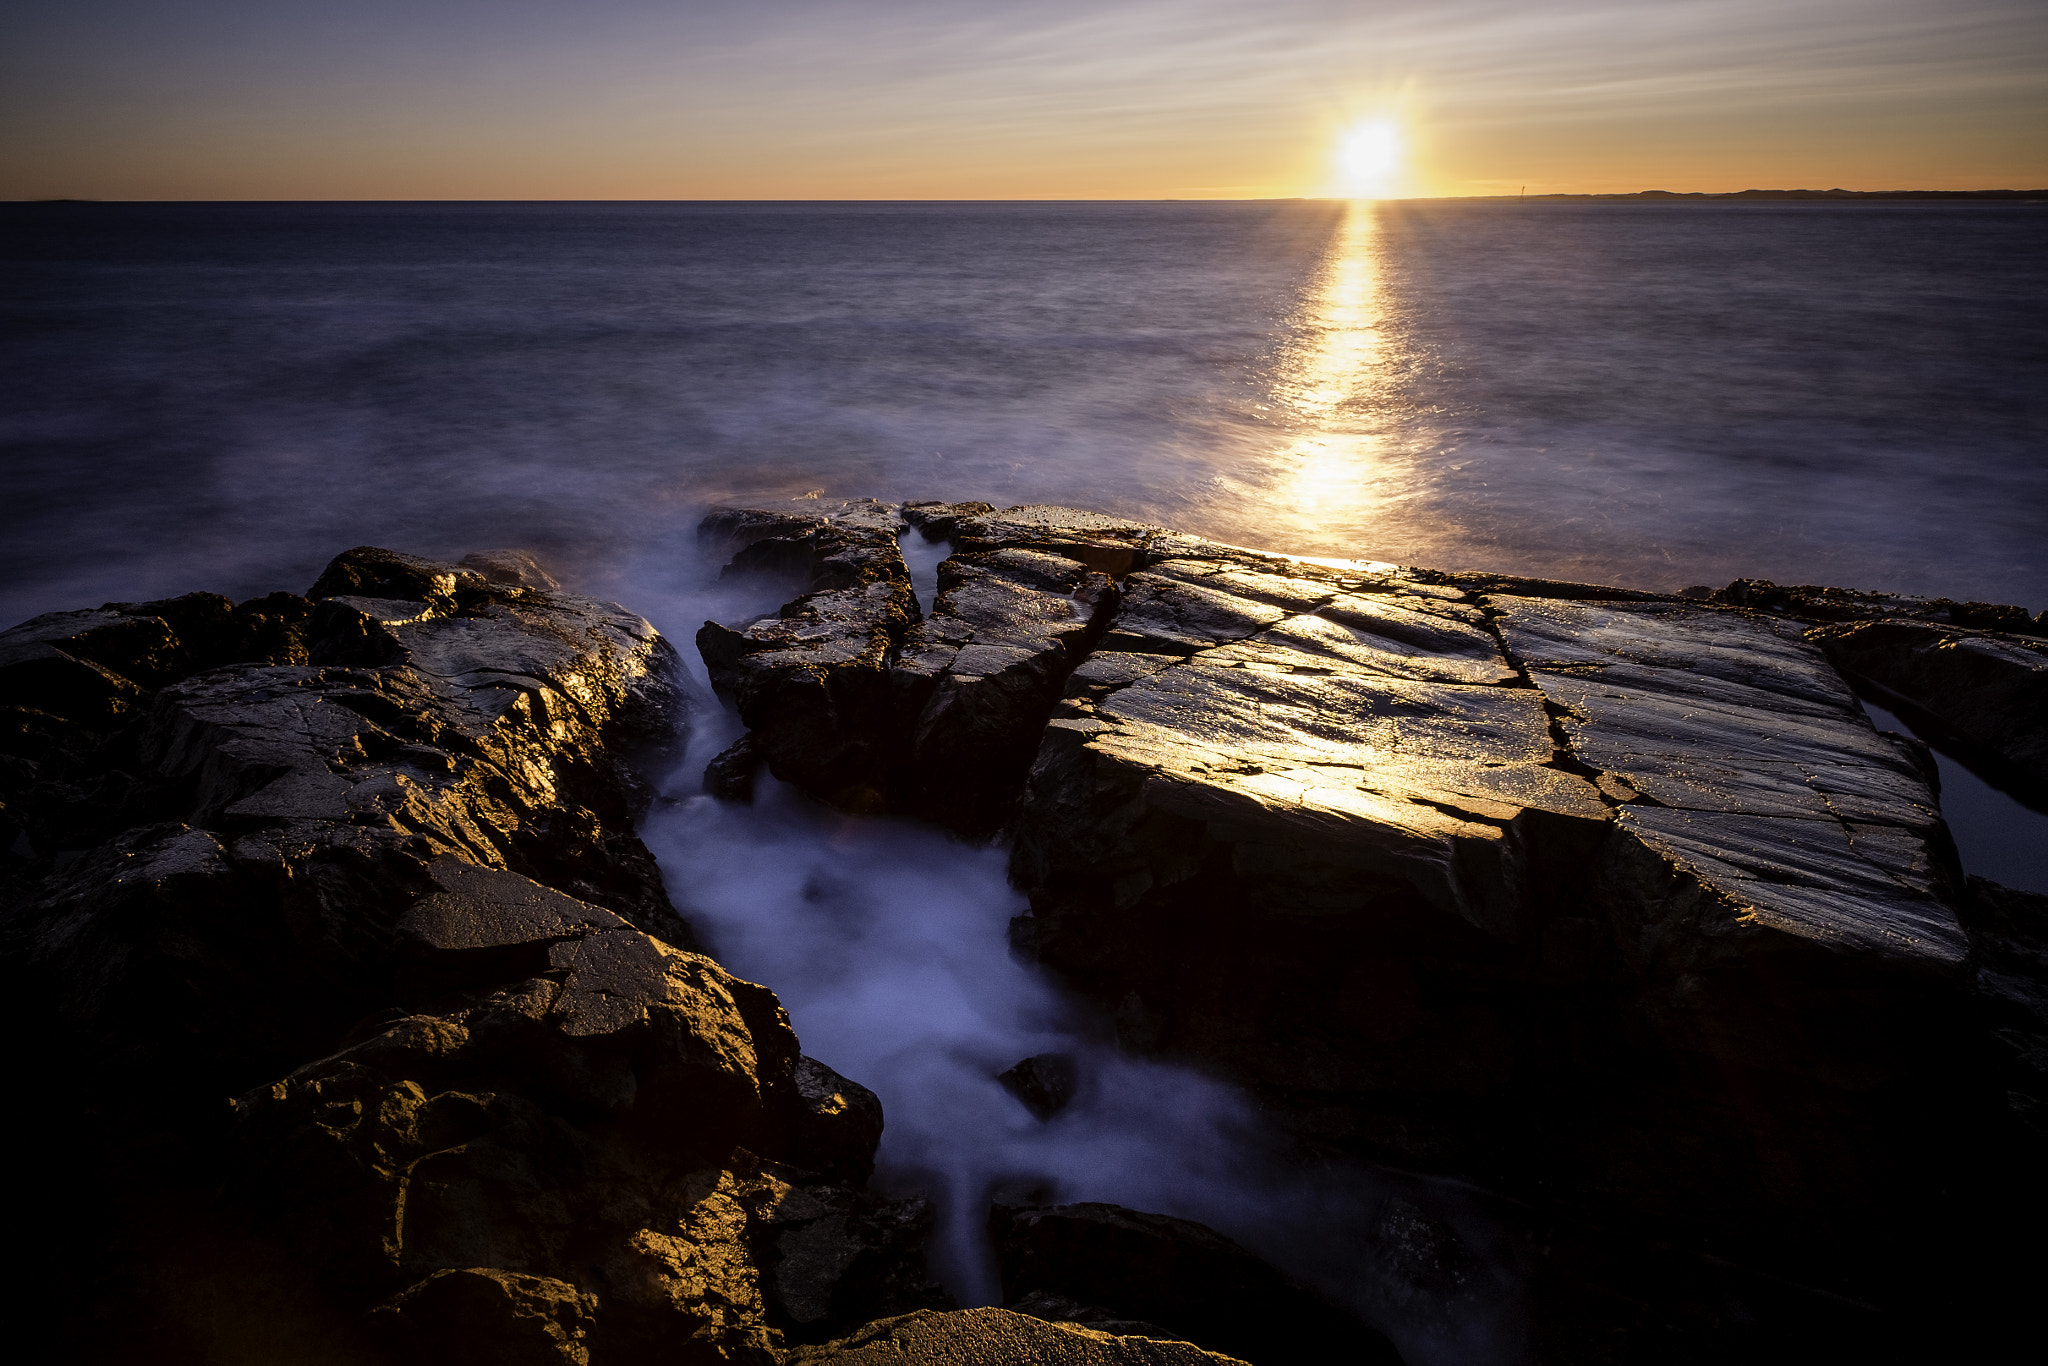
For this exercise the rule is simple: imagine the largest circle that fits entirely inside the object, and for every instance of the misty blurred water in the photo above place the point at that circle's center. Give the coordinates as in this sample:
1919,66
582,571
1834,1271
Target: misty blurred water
1655,395
223,396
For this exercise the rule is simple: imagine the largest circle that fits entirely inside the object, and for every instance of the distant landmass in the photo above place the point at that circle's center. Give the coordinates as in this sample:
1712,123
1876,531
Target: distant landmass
1641,195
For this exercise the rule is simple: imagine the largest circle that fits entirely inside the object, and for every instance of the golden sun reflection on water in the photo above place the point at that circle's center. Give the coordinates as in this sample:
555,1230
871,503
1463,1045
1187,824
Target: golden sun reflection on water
1330,380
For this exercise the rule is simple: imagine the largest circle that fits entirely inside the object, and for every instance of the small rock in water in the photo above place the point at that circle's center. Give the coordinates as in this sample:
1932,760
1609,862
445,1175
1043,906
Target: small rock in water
730,777
1045,1082
838,1126
1420,1260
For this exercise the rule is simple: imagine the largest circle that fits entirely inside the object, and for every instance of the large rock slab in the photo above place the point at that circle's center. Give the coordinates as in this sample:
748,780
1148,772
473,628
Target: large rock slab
1754,767
1324,821
1433,875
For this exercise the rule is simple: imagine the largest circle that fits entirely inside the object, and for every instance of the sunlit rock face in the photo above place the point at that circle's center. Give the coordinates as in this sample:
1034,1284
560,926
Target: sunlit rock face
993,1335
1606,896
1428,880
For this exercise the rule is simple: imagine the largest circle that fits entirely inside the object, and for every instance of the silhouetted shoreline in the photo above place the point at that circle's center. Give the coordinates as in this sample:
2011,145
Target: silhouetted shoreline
1658,195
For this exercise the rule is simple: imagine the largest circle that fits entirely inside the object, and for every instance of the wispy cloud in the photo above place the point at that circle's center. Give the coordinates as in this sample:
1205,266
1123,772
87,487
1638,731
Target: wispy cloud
775,96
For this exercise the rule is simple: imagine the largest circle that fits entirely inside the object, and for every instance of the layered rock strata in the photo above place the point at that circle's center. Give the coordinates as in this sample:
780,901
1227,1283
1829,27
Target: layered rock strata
368,1031
1611,900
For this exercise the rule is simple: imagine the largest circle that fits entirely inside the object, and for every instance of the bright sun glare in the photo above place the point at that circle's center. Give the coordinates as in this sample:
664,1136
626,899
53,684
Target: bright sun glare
1367,159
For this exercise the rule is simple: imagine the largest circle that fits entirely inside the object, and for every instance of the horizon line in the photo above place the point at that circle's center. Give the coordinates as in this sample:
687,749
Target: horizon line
1752,193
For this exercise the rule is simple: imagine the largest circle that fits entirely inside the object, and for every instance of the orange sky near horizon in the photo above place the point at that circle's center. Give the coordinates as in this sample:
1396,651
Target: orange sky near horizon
1037,99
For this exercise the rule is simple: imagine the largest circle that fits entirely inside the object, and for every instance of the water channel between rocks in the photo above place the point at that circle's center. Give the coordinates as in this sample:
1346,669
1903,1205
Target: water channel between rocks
1998,836
887,942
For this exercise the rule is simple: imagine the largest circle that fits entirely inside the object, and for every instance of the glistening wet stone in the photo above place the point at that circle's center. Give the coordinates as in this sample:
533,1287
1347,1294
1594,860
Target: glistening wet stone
1611,900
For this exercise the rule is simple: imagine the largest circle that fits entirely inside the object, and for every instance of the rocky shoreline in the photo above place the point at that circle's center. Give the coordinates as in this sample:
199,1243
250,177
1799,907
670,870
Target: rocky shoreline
364,1029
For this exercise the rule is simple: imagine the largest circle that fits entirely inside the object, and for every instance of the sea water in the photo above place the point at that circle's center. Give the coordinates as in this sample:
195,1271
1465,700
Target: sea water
223,396
1651,395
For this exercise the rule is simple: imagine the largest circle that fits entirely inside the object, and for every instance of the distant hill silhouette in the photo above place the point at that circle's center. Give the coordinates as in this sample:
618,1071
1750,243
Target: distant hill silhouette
1641,195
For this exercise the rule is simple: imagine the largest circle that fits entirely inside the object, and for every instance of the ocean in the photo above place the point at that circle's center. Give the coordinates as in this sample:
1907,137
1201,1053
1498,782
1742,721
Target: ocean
204,396
1651,395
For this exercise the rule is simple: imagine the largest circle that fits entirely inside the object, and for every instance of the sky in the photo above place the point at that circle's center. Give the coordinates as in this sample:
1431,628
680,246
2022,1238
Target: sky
1013,99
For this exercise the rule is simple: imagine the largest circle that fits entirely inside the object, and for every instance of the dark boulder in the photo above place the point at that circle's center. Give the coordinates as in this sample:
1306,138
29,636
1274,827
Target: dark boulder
1180,1275
812,682
1044,1082
941,521
2009,953
480,1316
836,1124
1421,1268
833,1257
856,698
1811,602
1986,689
731,775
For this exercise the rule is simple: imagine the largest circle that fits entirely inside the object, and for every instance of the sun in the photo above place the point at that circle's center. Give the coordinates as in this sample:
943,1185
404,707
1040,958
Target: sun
1368,157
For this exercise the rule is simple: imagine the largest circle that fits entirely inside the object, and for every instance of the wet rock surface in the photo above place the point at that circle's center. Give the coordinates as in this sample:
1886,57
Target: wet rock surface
371,1034
1614,902
813,681
977,678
